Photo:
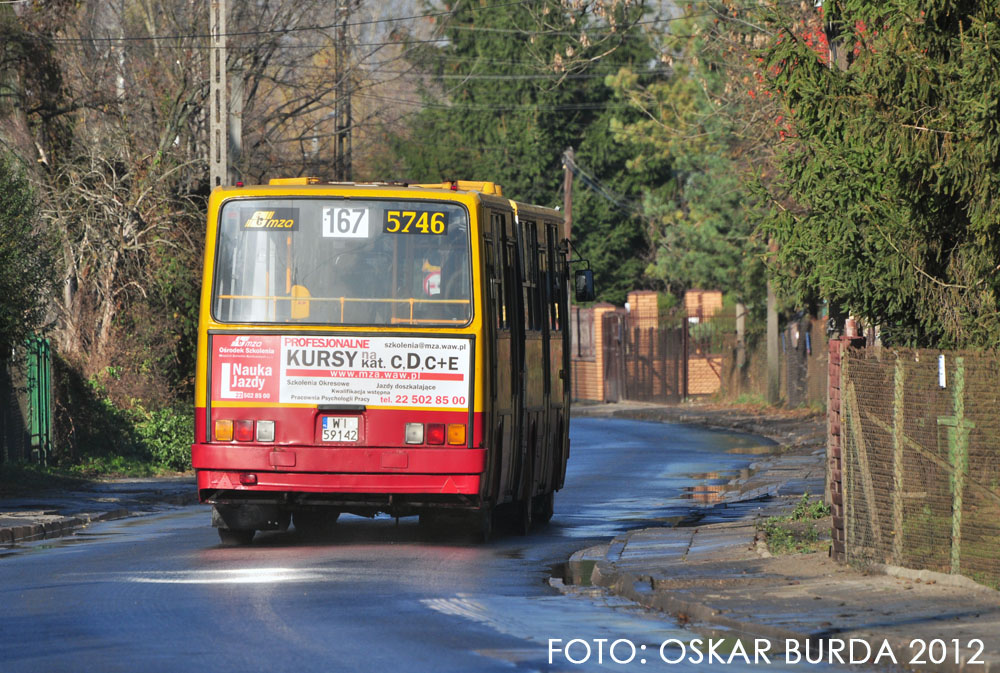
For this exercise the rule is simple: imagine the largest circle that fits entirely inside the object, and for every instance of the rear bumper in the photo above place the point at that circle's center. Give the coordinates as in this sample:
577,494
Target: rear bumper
338,484
339,470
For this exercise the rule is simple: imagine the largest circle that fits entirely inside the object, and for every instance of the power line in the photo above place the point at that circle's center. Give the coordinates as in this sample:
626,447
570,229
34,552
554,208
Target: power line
279,31
567,107
598,188
488,76
323,27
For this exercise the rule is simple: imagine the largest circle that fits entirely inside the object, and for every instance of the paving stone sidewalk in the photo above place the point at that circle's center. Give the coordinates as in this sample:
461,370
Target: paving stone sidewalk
719,578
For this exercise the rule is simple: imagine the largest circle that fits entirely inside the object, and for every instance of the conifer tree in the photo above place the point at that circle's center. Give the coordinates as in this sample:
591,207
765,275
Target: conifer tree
513,87
887,202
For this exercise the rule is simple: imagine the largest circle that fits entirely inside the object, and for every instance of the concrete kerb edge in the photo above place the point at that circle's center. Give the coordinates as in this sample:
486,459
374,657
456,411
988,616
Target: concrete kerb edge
57,527
708,620
68,525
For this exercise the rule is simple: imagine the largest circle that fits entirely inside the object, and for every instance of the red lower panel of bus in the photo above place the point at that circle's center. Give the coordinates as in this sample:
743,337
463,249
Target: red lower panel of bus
379,461
299,482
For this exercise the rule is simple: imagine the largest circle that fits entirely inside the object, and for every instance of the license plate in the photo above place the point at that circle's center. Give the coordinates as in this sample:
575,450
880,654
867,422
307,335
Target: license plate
340,428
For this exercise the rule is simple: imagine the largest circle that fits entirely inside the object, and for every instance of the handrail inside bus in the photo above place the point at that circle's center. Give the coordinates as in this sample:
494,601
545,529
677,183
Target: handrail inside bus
411,302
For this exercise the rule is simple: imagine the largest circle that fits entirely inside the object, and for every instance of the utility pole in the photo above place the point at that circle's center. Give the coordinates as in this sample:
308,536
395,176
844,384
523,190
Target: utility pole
773,365
568,163
342,146
236,123
218,159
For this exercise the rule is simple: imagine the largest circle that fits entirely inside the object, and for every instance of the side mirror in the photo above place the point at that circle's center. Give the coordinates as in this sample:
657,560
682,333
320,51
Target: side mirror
583,281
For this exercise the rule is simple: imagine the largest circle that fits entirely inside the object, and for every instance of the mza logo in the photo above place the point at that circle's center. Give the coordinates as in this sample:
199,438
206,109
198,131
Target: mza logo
244,341
279,218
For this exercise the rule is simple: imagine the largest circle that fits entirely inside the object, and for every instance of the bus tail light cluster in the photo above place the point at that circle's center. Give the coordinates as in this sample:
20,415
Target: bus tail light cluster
435,434
244,430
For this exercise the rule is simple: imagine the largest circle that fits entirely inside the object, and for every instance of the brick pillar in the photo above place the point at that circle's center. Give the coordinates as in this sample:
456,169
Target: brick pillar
834,446
834,470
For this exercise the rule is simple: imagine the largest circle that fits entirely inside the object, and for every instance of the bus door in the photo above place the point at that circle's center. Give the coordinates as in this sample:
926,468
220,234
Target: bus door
507,361
534,423
559,352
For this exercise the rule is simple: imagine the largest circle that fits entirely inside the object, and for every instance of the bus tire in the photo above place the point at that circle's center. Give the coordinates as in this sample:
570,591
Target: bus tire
483,524
544,506
236,537
523,516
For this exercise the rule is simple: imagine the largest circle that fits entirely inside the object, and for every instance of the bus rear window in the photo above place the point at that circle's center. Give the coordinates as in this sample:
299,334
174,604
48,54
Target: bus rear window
338,261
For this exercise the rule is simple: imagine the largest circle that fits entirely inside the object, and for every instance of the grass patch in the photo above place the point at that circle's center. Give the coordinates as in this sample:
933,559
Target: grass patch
803,531
751,400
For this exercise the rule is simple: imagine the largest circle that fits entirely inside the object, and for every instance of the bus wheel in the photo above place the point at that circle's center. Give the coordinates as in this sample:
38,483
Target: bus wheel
236,538
523,516
544,506
483,522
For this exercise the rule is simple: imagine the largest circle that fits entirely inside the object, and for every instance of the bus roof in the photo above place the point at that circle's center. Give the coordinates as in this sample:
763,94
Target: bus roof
480,186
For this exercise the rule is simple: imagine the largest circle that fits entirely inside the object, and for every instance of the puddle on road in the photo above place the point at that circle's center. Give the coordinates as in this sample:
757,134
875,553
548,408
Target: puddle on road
574,573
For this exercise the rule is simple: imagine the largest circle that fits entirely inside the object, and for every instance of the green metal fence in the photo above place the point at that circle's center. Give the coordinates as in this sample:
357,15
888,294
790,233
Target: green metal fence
26,404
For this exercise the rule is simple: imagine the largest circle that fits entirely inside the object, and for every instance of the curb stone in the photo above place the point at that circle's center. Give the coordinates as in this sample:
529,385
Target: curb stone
48,524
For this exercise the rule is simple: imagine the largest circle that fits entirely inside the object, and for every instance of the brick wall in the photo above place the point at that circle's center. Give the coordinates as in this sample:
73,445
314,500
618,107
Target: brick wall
703,375
644,310
588,374
703,303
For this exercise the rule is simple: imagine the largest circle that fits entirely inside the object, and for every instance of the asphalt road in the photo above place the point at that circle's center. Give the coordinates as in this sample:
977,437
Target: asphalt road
158,593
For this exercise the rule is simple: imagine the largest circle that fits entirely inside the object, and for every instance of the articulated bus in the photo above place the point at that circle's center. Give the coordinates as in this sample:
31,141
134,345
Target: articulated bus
381,348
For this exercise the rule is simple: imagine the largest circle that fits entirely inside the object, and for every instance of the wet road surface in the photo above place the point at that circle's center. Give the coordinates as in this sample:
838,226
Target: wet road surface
158,593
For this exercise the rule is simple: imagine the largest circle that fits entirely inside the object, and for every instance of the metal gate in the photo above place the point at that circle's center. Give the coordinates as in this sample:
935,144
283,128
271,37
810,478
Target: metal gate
26,405
654,364
613,331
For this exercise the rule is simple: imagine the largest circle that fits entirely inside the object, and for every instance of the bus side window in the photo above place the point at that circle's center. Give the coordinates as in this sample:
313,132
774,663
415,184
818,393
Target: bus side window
529,257
543,288
510,279
492,282
500,272
553,281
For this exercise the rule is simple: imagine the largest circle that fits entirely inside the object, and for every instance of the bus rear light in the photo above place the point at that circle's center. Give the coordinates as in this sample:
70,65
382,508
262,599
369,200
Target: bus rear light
224,431
243,430
248,479
414,433
265,431
456,434
435,433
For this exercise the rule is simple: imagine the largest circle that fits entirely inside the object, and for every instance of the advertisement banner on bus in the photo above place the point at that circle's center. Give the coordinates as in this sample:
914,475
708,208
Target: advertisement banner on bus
322,369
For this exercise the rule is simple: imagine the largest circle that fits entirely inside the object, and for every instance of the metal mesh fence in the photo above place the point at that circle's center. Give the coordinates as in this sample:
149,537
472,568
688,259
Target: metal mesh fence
921,438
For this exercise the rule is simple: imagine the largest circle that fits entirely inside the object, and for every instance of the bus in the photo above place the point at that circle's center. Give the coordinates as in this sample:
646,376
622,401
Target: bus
387,348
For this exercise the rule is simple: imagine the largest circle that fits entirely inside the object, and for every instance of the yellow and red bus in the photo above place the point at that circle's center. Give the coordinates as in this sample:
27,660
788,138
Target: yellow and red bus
381,348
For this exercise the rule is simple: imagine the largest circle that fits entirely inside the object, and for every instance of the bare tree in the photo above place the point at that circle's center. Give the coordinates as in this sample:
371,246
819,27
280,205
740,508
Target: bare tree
109,99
